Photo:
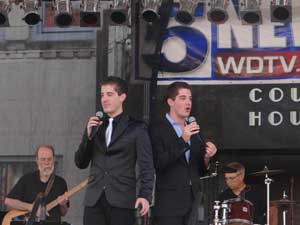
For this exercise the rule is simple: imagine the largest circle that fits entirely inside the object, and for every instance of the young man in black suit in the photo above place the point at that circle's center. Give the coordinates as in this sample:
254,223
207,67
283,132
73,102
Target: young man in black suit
180,158
119,144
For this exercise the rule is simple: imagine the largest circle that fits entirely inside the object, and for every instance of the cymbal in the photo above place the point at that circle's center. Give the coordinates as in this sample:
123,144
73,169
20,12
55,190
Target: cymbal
266,171
284,202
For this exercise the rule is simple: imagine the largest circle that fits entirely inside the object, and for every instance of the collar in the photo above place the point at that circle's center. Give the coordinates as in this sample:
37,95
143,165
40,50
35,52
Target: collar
172,122
117,118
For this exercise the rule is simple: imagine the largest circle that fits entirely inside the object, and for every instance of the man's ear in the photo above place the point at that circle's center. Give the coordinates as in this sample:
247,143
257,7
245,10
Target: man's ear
123,97
242,177
36,163
170,101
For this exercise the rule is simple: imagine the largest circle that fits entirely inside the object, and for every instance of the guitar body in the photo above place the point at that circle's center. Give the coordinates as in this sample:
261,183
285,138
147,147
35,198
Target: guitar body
14,213
11,214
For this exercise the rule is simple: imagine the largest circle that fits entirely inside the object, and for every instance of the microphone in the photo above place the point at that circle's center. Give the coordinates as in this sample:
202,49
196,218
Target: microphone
192,119
100,116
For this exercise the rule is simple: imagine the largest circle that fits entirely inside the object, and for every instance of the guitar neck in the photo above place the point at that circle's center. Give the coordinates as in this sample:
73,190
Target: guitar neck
71,192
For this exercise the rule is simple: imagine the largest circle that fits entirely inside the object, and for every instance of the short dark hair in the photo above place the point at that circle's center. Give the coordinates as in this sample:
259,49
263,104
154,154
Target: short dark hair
172,89
121,85
238,166
44,146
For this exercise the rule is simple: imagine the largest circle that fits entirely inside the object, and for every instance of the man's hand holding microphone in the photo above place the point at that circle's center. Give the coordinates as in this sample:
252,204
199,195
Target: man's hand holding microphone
93,124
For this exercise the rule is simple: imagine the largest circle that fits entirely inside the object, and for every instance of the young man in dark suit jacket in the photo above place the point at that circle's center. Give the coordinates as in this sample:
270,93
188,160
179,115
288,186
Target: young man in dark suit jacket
180,158
113,154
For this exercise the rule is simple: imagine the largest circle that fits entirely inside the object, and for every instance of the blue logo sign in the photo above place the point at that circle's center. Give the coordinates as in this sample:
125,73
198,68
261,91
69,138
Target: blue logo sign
196,49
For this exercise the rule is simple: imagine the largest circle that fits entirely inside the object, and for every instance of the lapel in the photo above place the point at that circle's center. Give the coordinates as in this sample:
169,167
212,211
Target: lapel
120,128
174,136
100,140
171,128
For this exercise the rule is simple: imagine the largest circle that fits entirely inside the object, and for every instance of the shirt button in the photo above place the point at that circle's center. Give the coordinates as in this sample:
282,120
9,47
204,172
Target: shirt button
104,187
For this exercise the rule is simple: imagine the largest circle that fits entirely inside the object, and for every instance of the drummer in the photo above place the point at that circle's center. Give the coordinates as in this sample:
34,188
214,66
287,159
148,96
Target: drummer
237,189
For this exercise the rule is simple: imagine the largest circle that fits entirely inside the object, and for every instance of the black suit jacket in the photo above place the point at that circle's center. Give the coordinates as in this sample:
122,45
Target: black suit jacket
177,181
113,168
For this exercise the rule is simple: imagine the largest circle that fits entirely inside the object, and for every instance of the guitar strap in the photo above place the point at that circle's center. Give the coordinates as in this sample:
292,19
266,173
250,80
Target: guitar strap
49,185
35,207
39,198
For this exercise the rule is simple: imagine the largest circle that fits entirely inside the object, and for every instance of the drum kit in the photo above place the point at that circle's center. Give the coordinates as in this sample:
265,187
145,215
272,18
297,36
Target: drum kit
239,211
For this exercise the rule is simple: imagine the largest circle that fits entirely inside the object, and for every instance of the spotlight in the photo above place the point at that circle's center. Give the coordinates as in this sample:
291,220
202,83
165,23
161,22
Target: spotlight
119,12
185,14
5,8
217,13
89,14
63,13
281,11
150,11
32,16
250,13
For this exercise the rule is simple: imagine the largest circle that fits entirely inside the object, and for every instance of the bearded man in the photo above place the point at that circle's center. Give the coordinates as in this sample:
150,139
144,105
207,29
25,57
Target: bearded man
29,186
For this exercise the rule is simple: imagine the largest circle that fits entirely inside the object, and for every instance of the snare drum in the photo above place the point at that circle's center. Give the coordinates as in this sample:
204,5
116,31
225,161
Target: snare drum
241,212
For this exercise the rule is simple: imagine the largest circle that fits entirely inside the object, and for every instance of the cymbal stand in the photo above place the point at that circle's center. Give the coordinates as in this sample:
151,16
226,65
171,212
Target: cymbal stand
292,197
268,182
213,174
209,176
285,209
284,217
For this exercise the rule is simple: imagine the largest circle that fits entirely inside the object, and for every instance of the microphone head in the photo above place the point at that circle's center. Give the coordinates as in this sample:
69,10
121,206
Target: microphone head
190,119
100,114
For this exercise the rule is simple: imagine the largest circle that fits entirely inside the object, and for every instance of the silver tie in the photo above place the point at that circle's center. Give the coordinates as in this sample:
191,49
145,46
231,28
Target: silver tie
108,131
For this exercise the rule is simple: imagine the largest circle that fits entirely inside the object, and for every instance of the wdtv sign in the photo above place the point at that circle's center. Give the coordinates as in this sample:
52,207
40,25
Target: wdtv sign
232,53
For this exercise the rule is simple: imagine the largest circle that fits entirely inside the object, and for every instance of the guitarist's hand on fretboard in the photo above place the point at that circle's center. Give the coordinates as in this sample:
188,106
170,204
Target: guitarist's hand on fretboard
63,201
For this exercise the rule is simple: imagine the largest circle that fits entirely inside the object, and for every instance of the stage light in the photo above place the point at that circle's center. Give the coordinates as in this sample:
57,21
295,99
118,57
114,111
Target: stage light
89,14
150,11
5,8
250,12
281,11
185,13
63,12
119,12
30,8
217,12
